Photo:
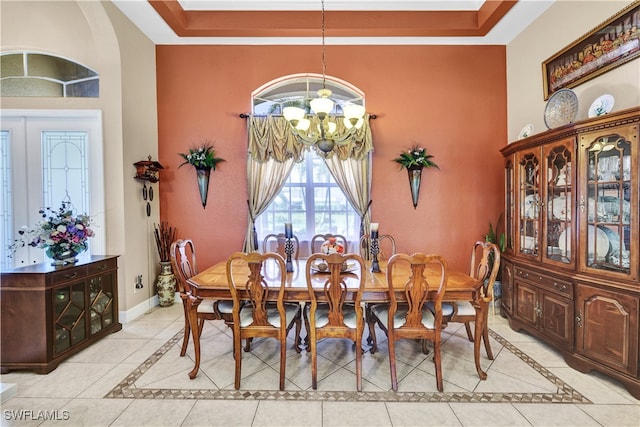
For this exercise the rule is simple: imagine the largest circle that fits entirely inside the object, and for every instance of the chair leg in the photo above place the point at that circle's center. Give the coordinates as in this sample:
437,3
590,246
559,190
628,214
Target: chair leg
238,356
306,327
468,328
283,360
247,344
372,340
200,326
314,360
185,338
487,345
392,363
438,363
358,362
297,337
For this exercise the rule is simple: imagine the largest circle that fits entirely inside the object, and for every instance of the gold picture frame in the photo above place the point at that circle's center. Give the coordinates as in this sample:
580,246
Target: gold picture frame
612,43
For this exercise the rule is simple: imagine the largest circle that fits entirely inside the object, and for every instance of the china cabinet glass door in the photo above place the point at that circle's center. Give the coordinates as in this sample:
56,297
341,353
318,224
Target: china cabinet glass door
609,205
557,240
529,204
509,206
69,315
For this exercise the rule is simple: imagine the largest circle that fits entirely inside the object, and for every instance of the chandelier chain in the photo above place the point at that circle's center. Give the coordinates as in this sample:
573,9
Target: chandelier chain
324,64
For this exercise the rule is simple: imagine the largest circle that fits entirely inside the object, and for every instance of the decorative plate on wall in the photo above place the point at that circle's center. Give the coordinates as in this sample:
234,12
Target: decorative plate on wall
526,131
602,105
561,109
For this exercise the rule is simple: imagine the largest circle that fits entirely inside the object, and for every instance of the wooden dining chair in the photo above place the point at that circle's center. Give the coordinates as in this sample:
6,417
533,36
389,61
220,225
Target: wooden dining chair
276,242
485,263
328,315
183,262
264,314
406,316
319,239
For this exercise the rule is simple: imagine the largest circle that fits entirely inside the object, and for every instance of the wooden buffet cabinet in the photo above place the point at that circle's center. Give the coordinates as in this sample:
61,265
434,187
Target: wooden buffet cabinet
48,314
571,269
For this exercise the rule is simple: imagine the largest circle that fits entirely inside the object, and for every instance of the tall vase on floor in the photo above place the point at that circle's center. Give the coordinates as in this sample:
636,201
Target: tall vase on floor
166,284
203,175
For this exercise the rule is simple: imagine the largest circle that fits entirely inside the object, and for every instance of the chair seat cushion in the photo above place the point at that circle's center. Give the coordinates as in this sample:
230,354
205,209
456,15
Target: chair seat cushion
206,306
273,316
399,319
447,308
322,314
225,307
465,308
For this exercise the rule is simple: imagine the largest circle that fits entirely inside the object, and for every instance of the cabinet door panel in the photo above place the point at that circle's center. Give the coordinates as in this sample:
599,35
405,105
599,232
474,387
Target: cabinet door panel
525,301
557,318
507,286
607,328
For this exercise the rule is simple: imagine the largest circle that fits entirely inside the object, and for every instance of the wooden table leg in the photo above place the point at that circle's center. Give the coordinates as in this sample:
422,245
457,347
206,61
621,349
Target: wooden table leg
480,307
192,307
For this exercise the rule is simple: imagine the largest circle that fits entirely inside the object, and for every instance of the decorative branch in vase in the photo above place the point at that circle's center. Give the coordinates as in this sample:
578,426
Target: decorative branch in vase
414,160
203,159
166,281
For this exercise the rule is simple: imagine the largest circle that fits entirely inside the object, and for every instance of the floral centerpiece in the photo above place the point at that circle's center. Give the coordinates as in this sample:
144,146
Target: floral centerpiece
203,157
61,233
415,157
332,246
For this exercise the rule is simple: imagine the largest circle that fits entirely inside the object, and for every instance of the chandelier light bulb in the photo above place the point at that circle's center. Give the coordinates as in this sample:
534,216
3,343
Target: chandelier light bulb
293,115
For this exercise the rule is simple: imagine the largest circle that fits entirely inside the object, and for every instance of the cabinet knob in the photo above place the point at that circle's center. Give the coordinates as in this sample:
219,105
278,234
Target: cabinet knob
71,275
102,267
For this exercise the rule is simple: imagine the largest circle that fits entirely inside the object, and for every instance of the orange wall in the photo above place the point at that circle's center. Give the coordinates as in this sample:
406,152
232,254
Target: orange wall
450,99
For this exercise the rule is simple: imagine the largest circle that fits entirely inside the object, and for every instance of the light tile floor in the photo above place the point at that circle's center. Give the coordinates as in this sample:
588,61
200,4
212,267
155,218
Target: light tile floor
135,377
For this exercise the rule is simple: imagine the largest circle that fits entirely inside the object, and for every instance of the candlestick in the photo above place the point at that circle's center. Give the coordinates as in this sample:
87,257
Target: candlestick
288,250
288,231
375,249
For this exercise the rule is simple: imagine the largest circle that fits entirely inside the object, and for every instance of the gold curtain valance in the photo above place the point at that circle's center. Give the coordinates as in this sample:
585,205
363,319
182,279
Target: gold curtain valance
270,137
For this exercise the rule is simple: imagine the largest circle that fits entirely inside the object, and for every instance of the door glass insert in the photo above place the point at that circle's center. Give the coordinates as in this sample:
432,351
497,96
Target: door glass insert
529,204
559,210
608,204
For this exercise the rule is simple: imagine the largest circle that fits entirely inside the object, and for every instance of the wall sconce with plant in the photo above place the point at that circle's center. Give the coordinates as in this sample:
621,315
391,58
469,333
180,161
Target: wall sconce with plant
414,160
204,160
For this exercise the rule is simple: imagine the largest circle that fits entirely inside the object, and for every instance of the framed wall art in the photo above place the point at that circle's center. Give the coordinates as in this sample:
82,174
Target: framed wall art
609,45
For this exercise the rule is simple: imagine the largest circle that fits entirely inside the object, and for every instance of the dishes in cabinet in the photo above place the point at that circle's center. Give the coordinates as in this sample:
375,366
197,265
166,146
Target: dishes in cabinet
561,108
615,245
526,131
602,105
560,208
531,206
527,243
596,238
591,210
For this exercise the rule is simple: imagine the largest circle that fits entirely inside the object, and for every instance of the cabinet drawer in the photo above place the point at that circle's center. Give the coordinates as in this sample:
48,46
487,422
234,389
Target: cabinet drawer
69,274
561,287
100,266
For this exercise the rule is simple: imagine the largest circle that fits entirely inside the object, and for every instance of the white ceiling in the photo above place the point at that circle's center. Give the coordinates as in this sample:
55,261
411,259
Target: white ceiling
144,16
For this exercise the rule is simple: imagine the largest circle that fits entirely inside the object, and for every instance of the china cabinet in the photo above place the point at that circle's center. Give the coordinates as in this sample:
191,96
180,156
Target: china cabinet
572,258
49,313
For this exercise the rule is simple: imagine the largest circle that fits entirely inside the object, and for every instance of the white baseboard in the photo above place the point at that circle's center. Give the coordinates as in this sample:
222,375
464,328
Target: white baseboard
142,308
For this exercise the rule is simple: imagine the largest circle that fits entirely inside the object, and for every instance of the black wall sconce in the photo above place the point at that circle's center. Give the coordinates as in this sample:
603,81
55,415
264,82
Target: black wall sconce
147,171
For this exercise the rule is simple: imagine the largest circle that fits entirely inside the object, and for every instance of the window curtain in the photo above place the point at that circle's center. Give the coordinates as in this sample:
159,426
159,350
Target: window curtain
353,176
272,150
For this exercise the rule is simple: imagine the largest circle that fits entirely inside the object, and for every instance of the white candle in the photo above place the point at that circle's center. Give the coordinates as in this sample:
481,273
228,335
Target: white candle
374,229
288,231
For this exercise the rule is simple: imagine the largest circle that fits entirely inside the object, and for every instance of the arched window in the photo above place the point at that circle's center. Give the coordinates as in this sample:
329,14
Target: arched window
39,74
310,199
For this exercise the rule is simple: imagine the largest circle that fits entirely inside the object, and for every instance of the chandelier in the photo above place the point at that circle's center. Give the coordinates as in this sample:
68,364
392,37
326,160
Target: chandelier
324,137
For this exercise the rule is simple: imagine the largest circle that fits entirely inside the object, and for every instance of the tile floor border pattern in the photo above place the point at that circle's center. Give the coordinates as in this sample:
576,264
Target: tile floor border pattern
126,389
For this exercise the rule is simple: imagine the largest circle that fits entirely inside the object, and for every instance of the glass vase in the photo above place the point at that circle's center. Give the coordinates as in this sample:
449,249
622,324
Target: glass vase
60,256
203,183
415,174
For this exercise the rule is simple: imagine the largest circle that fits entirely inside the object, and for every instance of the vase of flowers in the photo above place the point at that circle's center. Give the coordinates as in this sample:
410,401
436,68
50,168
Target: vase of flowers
414,160
60,233
166,280
203,159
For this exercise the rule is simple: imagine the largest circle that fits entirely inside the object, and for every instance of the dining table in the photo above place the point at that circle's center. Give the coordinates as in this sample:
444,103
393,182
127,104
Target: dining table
212,284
